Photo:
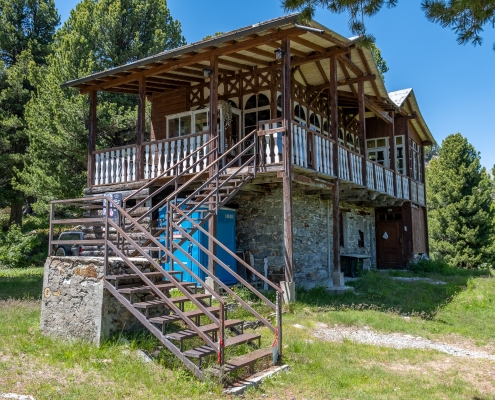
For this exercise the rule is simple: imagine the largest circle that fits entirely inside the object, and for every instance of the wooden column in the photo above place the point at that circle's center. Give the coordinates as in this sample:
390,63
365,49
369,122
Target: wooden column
391,140
213,116
140,128
287,158
334,129
362,129
92,137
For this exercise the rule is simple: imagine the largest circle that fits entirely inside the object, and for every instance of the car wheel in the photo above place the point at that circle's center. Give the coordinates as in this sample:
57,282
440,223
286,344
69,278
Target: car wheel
60,252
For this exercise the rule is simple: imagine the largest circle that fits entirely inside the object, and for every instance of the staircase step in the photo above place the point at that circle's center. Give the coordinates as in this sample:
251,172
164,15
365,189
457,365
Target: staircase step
189,333
241,361
156,303
147,274
159,286
204,351
190,314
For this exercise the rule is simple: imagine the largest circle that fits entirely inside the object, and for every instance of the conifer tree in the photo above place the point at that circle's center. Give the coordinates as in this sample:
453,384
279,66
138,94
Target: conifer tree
99,34
459,199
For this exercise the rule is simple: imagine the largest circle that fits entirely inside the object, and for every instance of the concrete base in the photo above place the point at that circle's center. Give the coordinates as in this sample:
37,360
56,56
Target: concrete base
338,279
239,388
289,289
212,284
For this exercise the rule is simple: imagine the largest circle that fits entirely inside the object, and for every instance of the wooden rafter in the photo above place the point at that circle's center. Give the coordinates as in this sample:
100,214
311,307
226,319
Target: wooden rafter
191,60
276,45
298,69
333,51
252,60
353,67
308,44
261,52
378,111
322,72
368,71
347,76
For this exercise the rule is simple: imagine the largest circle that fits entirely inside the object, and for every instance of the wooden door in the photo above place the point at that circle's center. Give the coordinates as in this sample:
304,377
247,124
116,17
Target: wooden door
389,246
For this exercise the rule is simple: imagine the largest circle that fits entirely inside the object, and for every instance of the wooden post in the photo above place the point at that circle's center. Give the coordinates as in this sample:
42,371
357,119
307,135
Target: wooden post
287,158
212,225
140,128
362,129
393,163
334,129
92,137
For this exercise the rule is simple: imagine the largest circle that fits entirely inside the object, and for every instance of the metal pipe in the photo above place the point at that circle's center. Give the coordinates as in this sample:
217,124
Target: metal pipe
310,29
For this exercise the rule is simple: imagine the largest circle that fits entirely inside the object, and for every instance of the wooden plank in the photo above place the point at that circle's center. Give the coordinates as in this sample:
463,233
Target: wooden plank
141,124
378,111
362,129
319,56
309,44
287,159
353,67
92,137
252,60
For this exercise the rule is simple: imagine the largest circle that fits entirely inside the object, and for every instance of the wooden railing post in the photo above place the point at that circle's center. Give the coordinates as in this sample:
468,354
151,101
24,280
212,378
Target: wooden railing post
362,128
92,138
140,128
50,236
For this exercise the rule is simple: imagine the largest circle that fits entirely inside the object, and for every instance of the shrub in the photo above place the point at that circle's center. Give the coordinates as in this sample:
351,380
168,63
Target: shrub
18,250
443,268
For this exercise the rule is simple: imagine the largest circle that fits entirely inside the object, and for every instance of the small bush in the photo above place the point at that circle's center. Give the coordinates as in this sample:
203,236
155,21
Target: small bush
18,250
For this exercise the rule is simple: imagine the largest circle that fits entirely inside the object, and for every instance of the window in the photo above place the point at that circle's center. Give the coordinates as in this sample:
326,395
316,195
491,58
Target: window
350,141
300,114
377,151
314,122
180,126
415,161
326,128
341,137
361,230
257,109
399,154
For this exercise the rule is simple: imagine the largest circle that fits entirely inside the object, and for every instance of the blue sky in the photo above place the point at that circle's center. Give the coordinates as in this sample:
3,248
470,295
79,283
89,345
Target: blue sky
454,84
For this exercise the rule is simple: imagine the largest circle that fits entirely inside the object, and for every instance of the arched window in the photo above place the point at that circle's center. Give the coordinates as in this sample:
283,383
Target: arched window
341,137
300,114
326,127
350,141
314,122
259,110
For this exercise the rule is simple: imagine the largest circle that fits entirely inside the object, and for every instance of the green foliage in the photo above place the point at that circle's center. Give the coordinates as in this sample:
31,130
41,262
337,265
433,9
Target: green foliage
98,35
26,25
381,64
459,198
466,18
18,250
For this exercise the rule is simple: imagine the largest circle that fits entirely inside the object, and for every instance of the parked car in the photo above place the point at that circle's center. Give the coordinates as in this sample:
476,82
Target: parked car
69,249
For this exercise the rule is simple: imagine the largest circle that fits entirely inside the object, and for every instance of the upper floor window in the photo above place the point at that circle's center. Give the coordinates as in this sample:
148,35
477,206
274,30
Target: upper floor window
326,127
400,154
377,150
257,109
314,122
415,161
300,114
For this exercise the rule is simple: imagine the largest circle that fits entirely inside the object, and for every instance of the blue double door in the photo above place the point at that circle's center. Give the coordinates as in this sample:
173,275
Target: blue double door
226,220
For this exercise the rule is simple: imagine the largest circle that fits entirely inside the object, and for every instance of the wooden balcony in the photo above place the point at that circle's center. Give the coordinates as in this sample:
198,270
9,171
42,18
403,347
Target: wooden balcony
311,151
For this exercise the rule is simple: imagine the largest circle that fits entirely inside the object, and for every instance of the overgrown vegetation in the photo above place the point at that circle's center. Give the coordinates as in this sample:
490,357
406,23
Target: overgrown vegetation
462,312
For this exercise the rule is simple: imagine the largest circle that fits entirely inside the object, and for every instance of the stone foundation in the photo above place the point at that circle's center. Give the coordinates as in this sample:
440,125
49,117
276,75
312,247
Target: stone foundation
75,304
260,231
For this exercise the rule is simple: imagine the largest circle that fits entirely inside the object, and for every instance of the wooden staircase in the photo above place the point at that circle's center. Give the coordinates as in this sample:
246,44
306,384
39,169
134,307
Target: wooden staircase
189,318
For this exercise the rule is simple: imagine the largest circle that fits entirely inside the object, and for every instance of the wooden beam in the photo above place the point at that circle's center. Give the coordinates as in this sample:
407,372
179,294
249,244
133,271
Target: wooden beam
298,69
233,64
336,226
347,76
391,144
276,45
309,44
334,111
378,111
187,61
287,159
368,71
322,73
362,129
260,52
353,67
252,60
319,56
93,99
350,81
141,123
179,74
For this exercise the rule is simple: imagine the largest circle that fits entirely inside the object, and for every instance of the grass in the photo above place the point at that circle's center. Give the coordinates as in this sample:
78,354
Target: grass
461,310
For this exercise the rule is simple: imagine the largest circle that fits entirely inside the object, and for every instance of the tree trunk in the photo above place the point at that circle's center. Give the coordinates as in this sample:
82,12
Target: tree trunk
16,211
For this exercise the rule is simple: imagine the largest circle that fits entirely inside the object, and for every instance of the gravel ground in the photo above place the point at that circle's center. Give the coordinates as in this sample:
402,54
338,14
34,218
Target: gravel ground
394,340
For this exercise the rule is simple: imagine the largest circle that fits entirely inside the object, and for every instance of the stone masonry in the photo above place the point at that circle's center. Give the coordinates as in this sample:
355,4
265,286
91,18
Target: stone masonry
260,231
75,304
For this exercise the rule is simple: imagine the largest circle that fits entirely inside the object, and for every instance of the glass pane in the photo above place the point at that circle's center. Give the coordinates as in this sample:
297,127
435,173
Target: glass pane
173,127
263,100
380,157
251,103
400,152
398,140
381,143
325,126
279,101
370,144
263,115
185,125
201,122
372,155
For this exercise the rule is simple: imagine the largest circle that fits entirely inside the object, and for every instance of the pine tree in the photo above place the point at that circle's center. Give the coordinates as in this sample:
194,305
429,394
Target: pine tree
99,34
459,198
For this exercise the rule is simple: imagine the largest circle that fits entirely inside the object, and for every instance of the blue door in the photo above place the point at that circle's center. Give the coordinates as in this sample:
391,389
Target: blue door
225,234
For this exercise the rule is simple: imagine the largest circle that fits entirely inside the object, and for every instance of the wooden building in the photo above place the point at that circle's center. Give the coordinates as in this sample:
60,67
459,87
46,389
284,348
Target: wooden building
321,163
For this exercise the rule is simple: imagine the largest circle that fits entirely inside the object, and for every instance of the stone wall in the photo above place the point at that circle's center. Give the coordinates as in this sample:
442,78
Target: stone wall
75,304
260,231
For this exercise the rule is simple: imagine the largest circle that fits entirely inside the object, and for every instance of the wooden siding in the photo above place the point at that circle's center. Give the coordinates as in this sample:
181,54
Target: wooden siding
166,104
418,230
